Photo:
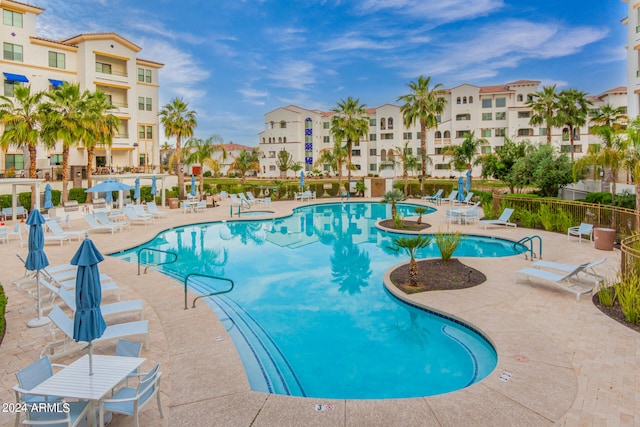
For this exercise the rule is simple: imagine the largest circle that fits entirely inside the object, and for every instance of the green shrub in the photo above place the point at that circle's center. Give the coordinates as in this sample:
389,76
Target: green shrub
448,243
527,218
78,194
607,296
24,199
563,221
5,200
628,295
547,217
603,198
3,309
207,174
56,197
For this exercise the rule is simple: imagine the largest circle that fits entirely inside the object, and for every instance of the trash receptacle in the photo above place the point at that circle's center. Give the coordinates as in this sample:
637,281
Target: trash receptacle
174,203
603,238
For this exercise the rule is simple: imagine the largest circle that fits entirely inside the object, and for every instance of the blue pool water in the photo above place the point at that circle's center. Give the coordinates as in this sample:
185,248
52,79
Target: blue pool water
309,314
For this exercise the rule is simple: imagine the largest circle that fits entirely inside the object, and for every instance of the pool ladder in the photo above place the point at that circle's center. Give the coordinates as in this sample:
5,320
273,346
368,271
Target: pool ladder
527,242
242,201
186,282
175,255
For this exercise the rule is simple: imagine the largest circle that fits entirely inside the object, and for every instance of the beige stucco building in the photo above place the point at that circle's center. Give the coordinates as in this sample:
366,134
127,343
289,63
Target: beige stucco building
105,62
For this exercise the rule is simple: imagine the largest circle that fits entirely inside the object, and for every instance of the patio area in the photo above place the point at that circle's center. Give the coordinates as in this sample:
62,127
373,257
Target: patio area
568,363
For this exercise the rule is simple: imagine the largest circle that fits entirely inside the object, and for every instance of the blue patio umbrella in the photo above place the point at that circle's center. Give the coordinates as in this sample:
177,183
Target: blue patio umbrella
460,189
193,185
108,185
48,203
468,184
36,260
153,186
301,179
88,323
108,197
136,190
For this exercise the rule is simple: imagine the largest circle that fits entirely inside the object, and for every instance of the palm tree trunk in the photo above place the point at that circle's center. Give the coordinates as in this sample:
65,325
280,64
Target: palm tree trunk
89,174
423,156
414,273
65,173
348,166
179,168
571,141
33,152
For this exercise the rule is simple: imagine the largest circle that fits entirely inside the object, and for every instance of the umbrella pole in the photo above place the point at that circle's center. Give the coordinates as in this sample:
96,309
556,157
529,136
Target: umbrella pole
39,321
90,357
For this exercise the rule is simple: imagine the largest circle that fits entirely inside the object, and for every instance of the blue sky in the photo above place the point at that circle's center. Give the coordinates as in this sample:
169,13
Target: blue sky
235,60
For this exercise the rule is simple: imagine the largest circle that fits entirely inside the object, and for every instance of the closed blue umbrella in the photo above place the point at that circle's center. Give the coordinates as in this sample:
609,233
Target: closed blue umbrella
108,197
48,203
153,186
193,185
136,190
108,185
88,323
460,189
36,260
302,179
468,186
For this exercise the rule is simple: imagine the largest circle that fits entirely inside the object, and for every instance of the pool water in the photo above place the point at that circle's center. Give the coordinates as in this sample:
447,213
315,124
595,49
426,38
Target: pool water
309,313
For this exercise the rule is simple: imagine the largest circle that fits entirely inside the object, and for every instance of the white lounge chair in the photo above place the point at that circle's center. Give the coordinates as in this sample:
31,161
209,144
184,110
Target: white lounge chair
466,200
502,220
244,199
580,231
119,307
134,217
17,232
435,198
63,323
254,199
55,228
104,219
589,272
236,201
139,210
152,207
452,197
568,282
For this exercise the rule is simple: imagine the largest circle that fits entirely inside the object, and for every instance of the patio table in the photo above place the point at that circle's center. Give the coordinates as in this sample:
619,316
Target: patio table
74,381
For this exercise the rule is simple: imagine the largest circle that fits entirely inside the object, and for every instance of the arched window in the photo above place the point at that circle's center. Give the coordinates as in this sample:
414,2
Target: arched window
284,139
391,155
271,125
464,100
263,140
447,134
283,124
530,97
520,98
458,100
383,123
471,100
576,134
390,123
438,134
279,139
383,155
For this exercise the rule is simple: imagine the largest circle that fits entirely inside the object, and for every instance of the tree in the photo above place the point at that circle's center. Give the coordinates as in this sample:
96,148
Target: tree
499,165
544,169
544,104
247,160
394,196
573,109
610,155
349,123
285,162
423,105
411,245
201,152
633,133
22,119
404,160
102,128
178,121
465,155
335,158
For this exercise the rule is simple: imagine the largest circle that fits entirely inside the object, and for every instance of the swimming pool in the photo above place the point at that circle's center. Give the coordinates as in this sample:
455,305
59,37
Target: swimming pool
309,314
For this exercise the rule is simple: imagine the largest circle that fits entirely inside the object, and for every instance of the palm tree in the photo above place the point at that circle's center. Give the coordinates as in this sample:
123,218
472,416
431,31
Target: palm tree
335,158
465,155
201,152
178,121
633,133
573,109
22,117
411,245
611,156
423,105
420,210
394,196
404,159
544,104
102,128
66,122
285,162
350,123
246,161
607,115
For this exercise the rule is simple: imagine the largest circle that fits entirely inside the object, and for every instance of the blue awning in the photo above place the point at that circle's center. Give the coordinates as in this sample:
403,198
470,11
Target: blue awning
16,77
56,83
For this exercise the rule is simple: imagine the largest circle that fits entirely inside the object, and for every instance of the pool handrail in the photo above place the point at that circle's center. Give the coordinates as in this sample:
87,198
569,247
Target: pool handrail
530,239
155,250
186,280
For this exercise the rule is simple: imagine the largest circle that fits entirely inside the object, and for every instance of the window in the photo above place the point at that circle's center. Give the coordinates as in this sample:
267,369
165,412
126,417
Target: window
103,68
464,100
272,168
56,160
389,123
283,124
524,114
326,125
272,154
542,131
408,151
520,98
373,167
386,136
372,152
577,148
461,117
9,87
11,18
418,135
56,60
487,103
145,132
442,166
501,115
143,159
485,149
15,161
471,100
148,104
355,153
406,135
462,133
485,133
447,134
487,116
438,134
358,167
144,75
383,123
501,131
373,137
372,122
383,155
501,102
141,103
525,132
12,52
458,100
326,139
438,150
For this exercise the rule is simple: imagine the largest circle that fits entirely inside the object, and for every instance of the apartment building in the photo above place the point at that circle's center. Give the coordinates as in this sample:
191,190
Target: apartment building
105,62
632,22
491,112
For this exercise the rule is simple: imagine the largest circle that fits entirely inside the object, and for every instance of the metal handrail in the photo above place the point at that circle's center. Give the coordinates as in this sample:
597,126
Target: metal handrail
529,239
155,250
186,280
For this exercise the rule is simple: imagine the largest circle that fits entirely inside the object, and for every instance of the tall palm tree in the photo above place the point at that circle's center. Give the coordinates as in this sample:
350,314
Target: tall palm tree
102,128
245,161
349,123
404,160
607,115
423,105
633,133
21,116
611,155
201,152
66,109
178,121
335,158
544,104
465,155
573,109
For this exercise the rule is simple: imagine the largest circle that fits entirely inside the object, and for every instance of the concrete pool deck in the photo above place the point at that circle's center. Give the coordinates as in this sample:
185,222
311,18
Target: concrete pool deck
570,364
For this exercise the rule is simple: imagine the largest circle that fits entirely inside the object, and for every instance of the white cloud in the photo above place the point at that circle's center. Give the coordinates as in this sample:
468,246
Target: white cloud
253,96
294,74
355,41
434,10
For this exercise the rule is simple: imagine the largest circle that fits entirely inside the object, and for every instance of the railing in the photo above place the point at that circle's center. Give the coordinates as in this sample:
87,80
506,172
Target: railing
624,221
160,263
186,281
529,240
630,255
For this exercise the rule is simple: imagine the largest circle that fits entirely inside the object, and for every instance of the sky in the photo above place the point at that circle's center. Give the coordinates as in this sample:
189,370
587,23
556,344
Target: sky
233,61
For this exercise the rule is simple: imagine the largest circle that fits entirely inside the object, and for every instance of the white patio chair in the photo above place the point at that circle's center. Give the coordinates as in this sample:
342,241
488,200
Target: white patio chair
55,228
580,231
104,219
568,282
132,216
152,207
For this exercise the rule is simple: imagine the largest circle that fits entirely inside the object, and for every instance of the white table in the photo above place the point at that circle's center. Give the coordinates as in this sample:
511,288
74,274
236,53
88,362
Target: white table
74,381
